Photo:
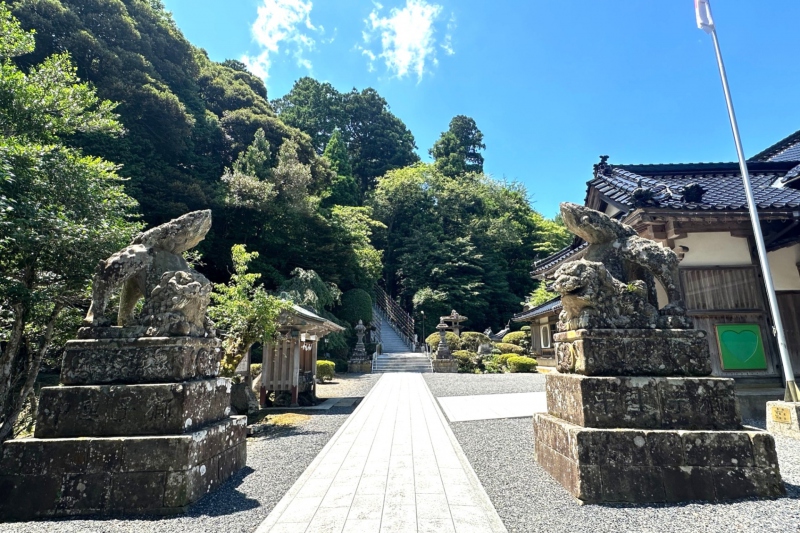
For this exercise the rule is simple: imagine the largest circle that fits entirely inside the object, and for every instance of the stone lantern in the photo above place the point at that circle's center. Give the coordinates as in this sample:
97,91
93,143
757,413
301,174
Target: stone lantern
443,350
455,321
360,361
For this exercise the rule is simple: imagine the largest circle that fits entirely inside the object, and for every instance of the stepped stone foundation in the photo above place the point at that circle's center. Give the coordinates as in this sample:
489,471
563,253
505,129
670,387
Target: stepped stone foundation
783,418
442,366
359,367
632,414
141,423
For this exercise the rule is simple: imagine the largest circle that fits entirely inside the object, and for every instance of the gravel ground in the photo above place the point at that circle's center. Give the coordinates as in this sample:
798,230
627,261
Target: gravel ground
347,385
476,384
528,499
274,462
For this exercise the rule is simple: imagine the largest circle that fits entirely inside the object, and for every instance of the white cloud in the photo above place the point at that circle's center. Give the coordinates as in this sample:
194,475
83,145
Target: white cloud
282,23
407,35
447,45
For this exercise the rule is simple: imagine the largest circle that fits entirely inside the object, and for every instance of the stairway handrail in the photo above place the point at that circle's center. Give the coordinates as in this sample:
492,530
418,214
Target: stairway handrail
400,320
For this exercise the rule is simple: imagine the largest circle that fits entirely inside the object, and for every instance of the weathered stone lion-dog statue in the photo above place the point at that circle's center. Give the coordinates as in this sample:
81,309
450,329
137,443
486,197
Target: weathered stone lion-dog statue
152,267
613,285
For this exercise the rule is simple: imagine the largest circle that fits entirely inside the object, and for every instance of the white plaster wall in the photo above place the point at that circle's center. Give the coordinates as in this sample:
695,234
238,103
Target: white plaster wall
661,292
714,249
543,320
783,265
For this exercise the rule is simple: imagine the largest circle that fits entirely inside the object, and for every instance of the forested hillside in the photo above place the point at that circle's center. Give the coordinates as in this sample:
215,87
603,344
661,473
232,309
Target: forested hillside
317,179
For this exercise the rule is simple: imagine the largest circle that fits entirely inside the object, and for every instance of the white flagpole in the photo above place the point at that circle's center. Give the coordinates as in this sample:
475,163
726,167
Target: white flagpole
792,394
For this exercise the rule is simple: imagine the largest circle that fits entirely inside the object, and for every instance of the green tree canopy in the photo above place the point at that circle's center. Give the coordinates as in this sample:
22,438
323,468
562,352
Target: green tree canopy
60,211
457,151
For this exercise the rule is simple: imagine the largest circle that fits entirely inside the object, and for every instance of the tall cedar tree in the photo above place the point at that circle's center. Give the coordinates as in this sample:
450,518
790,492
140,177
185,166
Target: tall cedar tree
457,151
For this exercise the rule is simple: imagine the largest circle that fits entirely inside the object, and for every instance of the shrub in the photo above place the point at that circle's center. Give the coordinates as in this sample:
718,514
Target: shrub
255,370
516,337
522,364
471,340
356,305
341,364
525,328
491,366
325,370
452,341
505,347
466,360
502,359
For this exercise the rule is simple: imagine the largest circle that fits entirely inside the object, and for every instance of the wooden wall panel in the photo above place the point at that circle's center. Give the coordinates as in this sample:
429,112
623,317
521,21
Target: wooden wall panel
789,304
721,288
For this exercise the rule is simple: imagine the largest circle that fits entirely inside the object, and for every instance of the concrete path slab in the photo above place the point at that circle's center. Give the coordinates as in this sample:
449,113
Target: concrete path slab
393,466
489,406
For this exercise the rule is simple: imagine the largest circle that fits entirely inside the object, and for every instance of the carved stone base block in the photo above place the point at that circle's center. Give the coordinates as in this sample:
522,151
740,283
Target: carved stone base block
783,418
648,466
643,402
445,366
47,478
128,410
633,352
139,360
359,366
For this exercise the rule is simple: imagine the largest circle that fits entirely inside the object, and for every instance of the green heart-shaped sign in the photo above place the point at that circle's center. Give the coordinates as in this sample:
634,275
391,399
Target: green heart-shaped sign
742,345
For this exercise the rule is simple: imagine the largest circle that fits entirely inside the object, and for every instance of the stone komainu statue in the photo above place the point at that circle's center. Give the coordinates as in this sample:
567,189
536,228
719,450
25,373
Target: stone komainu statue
613,286
152,267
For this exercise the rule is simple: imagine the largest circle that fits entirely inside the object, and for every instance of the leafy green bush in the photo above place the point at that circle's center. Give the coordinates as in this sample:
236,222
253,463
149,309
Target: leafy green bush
341,364
502,359
255,370
505,347
522,364
491,366
516,337
325,370
525,328
356,305
471,340
466,360
453,342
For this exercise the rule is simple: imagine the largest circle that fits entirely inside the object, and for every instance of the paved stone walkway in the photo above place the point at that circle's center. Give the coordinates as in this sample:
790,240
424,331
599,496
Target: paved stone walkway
394,466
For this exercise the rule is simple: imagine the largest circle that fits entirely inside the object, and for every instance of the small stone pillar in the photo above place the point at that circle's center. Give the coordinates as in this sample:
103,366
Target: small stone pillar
783,418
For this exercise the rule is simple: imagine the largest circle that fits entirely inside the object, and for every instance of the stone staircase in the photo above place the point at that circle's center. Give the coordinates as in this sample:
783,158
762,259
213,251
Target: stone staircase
397,355
401,362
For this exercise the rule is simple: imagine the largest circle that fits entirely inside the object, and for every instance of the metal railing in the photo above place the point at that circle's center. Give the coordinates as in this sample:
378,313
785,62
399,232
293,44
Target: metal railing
395,316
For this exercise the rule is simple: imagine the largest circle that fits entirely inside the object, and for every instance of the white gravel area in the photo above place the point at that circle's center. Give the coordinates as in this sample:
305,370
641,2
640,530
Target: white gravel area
347,386
274,462
529,500
442,385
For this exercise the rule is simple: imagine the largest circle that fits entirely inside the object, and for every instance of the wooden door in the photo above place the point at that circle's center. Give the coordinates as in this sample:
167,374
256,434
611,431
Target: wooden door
789,304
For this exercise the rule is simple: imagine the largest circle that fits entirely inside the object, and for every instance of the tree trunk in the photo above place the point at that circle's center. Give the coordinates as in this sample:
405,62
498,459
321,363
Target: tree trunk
15,402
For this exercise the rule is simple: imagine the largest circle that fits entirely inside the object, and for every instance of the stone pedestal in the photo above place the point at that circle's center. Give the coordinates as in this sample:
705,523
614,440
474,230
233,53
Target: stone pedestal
153,442
445,366
633,418
359,366
783,418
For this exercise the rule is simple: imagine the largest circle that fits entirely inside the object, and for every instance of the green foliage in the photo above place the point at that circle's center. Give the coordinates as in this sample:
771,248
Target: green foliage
453,341
60,210
376,140
502,359
356,305
306,287
471,340
457,150
509,348
466,360
255,370
326,370
519,338
521,364
246,313
464,244
358,225
540,296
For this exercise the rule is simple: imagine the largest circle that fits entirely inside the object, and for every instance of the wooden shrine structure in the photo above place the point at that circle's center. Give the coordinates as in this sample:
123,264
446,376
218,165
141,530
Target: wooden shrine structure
290,361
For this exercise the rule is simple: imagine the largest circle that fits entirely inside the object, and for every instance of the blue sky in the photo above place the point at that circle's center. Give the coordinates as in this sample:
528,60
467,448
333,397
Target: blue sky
552,84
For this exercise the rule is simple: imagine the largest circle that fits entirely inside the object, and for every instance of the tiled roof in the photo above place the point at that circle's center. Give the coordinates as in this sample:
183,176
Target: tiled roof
787,149
569,252
544,309
722,183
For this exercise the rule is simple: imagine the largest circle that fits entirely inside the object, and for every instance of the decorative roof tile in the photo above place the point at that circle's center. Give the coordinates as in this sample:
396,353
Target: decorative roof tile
787,149
546,308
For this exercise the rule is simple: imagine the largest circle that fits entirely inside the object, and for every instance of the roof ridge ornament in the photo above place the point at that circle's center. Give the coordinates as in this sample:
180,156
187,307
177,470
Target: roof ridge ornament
602,168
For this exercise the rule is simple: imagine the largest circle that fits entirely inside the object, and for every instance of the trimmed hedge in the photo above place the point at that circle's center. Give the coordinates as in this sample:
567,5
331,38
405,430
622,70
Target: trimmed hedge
502,359
466,360
453,342
505,347
516,337
471,340
522,364
356,305
325,370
